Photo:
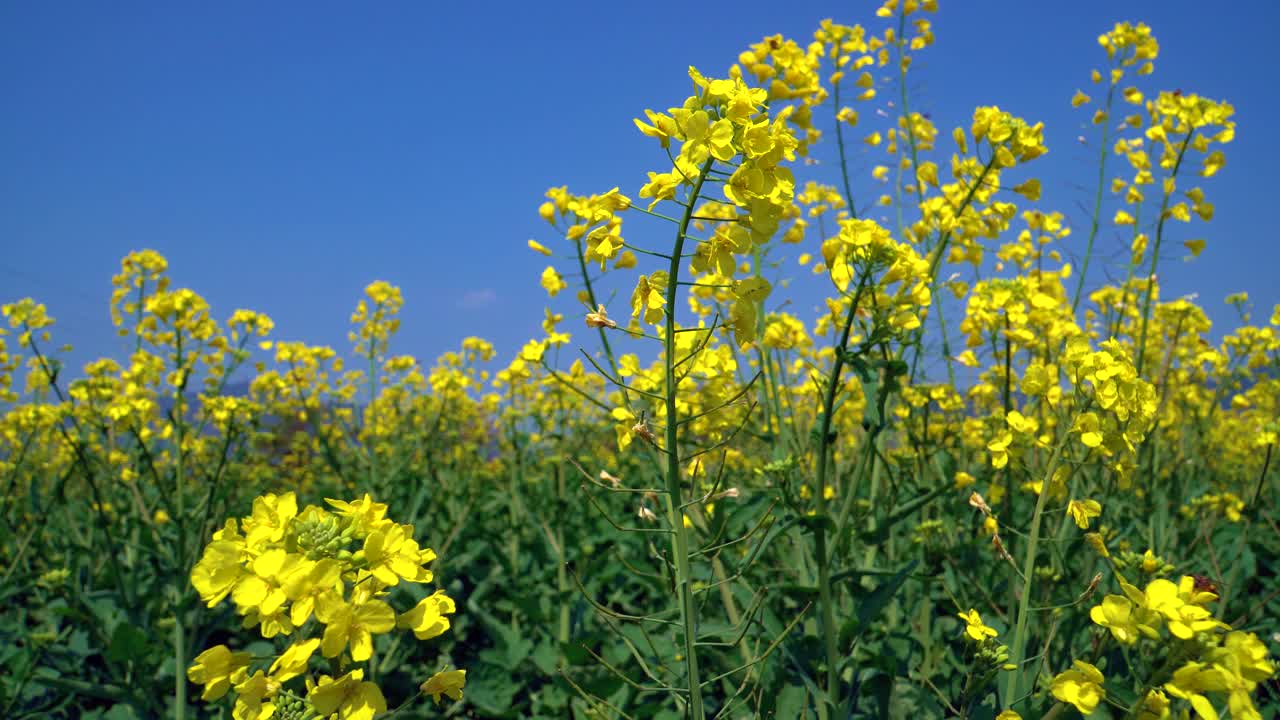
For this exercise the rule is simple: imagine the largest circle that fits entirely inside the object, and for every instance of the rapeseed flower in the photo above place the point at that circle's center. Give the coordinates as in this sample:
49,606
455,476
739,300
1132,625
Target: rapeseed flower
1080,686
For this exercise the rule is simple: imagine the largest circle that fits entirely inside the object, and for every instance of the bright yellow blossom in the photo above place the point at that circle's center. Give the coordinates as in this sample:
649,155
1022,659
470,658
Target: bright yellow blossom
1080,686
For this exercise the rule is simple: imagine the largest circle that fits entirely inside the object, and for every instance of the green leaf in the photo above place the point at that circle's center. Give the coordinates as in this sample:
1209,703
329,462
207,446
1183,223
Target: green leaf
127,643
545,658
880,687
793,702
120,712
874,602
491,688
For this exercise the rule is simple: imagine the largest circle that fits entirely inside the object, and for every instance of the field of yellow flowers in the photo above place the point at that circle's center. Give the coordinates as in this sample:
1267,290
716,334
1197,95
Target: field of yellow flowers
980,483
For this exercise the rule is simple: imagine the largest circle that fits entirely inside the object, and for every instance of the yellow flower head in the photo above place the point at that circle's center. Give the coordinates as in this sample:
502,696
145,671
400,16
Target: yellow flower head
347,697
1082,510
1081,686
448,682
975,628
214,667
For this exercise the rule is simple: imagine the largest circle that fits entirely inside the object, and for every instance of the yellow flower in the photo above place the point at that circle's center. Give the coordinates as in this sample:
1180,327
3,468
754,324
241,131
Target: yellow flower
218,570
1192,680
1246,655
626,260
1090,430
352,623
251,692
1081,686
308,581
1082,510
664,127
1150,563
975,628
1155,706
1029,189
263,589
1119,615
1184,617
214,667
348,697
271,514
552,282
293,661
448,682
538,247
742,320
427,618
648,299
365,514
927,173
999,448
1008,715
392,554
1020,423
624,426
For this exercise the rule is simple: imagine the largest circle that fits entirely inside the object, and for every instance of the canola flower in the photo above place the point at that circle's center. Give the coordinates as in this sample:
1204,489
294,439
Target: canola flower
1080,686
282,567
1221,660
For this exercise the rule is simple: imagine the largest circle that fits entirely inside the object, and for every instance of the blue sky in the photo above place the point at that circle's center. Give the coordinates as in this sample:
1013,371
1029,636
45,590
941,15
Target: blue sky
284,155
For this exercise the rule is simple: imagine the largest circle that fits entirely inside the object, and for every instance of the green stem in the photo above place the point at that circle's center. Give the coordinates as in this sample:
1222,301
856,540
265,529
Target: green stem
844,165
1097,205
1007,403
827,611
562,576
1155,255
372,425
179,631
680,534
913,146
1017,651
1262,476
515,482
594,303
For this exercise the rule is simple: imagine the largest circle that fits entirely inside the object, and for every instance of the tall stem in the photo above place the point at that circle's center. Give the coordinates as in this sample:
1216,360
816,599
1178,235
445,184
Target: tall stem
825,598
1097,205
604,338
914,147
1017,651
372,424
675,498
179,629
844,165
1155,255
562,575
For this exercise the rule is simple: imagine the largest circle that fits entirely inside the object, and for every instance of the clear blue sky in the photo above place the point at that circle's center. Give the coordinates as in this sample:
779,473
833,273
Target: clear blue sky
283,155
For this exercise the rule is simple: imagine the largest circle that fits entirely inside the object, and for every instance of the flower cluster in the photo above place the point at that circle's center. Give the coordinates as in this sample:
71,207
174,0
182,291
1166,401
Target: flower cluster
726,120
991,654
1128,401
594,218
1211,657
864,249
281,567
